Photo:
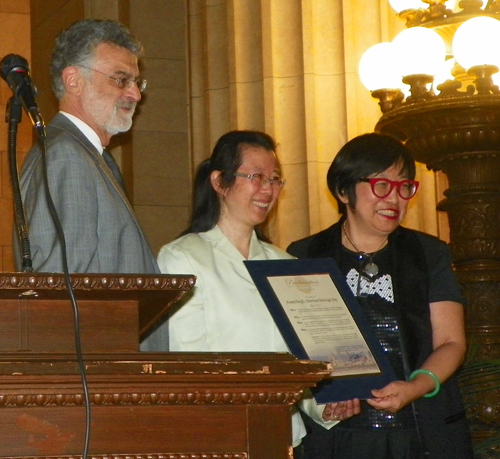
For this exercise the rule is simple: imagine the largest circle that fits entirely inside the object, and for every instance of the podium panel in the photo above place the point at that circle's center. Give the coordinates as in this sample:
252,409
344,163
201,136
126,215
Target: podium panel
143,405
115,311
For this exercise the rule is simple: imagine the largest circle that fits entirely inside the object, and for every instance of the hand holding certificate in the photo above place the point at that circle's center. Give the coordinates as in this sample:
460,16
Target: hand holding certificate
320,319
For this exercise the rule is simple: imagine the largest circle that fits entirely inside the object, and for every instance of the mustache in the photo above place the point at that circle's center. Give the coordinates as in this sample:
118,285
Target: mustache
127,105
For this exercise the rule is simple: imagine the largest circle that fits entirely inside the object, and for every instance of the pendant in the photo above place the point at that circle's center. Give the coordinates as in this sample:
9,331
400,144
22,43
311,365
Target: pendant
371,269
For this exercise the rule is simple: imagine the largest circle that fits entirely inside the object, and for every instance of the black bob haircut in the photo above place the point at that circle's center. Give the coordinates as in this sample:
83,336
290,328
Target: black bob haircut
362,157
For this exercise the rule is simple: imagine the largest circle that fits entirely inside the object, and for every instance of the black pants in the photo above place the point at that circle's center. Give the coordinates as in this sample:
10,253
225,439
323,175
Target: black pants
298,452
339,443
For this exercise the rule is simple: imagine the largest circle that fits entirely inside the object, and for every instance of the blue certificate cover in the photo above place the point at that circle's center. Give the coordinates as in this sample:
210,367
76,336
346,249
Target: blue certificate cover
320,319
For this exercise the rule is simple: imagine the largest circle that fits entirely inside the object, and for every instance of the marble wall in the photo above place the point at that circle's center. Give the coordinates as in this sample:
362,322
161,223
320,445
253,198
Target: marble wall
14,38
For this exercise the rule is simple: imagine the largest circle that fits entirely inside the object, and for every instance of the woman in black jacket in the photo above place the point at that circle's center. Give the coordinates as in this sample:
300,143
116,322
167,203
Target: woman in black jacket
405,285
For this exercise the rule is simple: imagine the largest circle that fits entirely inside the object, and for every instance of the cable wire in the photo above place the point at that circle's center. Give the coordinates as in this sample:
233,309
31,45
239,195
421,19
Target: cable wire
69,286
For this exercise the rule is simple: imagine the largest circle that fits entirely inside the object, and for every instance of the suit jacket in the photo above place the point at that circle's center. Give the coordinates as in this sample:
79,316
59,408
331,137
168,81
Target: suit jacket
101,231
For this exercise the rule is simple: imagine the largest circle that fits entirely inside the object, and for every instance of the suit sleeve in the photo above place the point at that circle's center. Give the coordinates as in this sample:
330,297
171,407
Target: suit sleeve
72,178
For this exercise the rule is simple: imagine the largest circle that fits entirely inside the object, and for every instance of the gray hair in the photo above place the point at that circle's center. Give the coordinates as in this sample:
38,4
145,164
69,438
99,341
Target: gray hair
76,46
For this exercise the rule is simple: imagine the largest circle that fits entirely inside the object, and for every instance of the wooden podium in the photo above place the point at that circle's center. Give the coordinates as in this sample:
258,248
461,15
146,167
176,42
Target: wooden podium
143,405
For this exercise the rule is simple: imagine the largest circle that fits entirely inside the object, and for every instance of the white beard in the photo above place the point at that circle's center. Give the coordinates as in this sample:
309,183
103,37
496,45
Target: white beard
113,122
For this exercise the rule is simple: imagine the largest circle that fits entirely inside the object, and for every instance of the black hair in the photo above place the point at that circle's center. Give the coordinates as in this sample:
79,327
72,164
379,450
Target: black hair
366,155
226,158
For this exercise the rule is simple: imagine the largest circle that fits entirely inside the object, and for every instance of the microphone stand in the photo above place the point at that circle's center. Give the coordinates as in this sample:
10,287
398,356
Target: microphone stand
13,118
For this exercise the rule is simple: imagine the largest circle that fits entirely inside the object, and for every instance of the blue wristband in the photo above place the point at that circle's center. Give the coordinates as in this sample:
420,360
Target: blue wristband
432,375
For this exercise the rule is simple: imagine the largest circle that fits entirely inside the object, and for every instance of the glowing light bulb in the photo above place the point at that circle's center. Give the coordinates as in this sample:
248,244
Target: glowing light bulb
377,68
476,42
401,5
419,51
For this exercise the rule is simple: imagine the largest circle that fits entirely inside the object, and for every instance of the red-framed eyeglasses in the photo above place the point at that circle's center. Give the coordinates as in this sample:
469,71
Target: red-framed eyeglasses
383,187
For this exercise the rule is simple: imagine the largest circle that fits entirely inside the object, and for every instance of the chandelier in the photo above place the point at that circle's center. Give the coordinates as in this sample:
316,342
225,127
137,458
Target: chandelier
437,83
449,49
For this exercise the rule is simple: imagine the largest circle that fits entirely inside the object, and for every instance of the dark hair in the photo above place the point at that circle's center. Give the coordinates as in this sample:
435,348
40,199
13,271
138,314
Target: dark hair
363,156
226,158
76,46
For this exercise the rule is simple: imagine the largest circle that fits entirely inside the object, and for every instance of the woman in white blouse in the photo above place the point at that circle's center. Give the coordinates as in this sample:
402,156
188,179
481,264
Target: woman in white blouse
235,189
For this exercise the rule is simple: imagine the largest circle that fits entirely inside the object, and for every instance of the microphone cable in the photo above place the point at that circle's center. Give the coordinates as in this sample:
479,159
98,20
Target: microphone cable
78,347
14,69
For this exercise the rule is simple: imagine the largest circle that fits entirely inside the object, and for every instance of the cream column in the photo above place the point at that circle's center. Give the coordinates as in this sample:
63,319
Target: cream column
285,114
326,103
290,67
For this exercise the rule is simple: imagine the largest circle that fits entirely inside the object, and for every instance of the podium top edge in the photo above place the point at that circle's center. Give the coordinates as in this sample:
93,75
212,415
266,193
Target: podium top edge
30,284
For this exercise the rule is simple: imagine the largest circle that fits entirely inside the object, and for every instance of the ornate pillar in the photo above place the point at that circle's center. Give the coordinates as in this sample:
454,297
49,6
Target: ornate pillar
460,135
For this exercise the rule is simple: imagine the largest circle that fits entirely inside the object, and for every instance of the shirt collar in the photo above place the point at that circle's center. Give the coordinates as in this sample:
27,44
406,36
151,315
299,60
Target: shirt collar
87,131
216,235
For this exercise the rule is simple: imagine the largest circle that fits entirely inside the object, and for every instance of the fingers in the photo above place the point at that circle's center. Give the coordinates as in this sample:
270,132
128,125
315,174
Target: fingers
330,416
332,412
342,410
390,404
353,407
392,397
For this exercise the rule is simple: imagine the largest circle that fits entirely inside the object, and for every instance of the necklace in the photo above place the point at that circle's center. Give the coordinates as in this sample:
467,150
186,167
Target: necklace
368,266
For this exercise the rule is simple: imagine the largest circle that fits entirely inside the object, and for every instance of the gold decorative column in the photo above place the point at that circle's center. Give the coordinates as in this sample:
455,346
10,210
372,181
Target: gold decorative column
460,135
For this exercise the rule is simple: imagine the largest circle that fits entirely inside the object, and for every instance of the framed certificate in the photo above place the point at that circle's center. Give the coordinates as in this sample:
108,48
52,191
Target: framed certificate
320,319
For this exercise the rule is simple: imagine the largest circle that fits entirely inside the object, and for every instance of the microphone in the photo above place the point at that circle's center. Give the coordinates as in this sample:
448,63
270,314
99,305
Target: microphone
14,69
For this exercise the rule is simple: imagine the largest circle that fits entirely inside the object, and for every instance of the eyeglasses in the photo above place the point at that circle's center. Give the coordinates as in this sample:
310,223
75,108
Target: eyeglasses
123,82
382,187
262,180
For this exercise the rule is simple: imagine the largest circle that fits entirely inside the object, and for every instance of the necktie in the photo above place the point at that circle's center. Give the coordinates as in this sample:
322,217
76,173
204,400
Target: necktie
110,161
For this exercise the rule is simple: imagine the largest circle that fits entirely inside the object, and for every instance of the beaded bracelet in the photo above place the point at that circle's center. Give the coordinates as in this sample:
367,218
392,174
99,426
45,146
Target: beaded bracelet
432,375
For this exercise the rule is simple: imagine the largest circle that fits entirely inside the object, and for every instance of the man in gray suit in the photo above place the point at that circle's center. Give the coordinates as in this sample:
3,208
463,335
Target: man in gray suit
95,77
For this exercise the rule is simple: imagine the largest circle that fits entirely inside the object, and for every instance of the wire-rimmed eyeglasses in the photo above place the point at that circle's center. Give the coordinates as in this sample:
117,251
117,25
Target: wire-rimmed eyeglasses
123,82
383,187
262,180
